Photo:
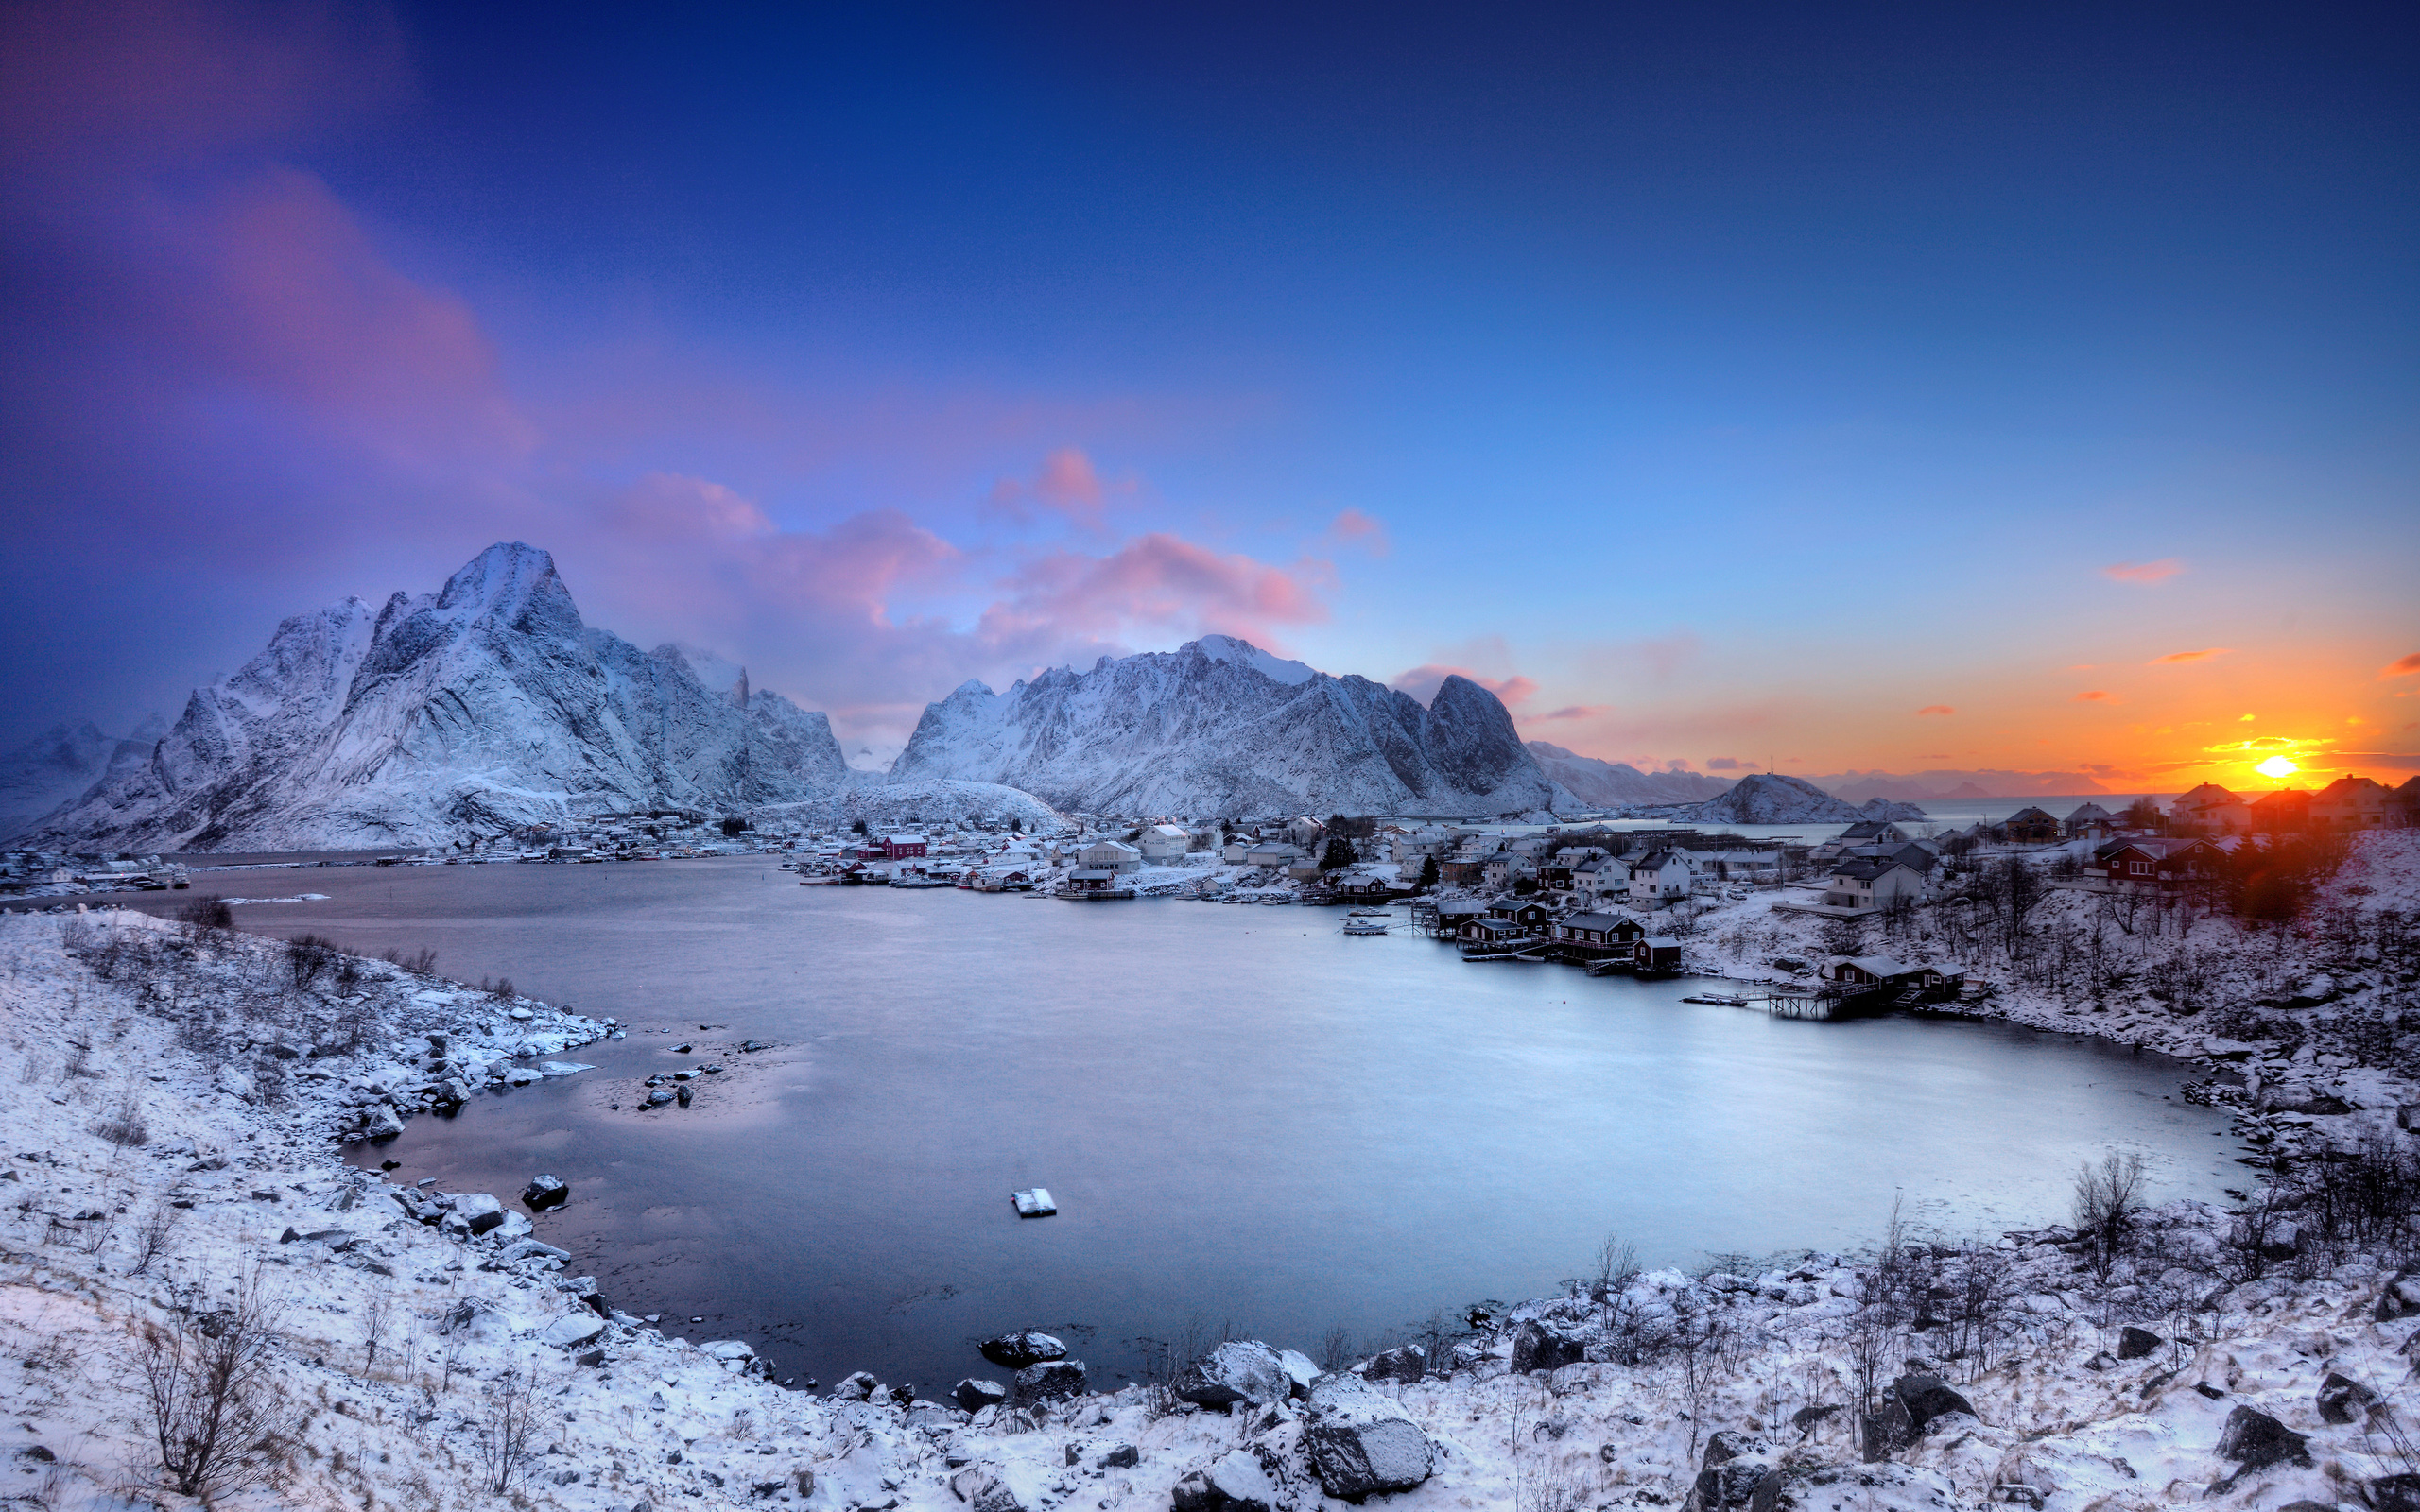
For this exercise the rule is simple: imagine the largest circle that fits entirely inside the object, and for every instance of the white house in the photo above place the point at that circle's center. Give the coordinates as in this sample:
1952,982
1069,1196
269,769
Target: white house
1603,881
1271,853
1110,855
1660,877
1164,843
1307,832
2214,808
1872,881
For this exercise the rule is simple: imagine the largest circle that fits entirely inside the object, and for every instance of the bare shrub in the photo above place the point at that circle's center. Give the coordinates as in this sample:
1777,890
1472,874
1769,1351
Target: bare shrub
1164,1361
217,1412
507,1426
308,958
504,990
1336,1349
124,1128
151,1238
208,911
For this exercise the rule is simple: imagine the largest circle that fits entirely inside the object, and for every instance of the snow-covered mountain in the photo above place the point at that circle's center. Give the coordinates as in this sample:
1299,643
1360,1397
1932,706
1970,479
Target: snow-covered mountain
482,707
1891,809
1603,784
1768,798
61,764
1219,727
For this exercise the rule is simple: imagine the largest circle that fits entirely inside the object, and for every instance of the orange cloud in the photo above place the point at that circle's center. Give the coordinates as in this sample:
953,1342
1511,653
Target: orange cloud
2144,572
2204,654
1935,708
2095,696
2402,666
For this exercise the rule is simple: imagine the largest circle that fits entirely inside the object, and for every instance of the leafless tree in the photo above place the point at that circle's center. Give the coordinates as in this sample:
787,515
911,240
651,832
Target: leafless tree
209,1379
507,1424
374,1316
2105,1201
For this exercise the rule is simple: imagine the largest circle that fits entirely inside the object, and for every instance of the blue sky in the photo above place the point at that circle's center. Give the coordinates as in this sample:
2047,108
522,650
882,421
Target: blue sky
1727,383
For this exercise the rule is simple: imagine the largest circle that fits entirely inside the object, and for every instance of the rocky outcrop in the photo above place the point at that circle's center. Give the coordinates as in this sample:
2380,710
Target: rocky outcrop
1360,1443
1051,1381
1407,1363
1538,1347
1604,784
1237,1370
2255,1441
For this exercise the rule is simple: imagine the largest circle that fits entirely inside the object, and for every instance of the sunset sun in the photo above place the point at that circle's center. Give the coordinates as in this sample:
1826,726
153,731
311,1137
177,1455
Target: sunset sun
2277,766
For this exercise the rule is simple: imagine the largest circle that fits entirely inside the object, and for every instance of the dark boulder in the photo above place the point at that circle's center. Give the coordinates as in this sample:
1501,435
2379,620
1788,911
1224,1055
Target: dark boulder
2343,1400
546,1192
974,1395
2401,1299
2255,1441
1050,1381
1735,1465
1015,1351
2134,1343
1238,1370
1407,1363
1924,1398
1540,1348
1361,1442
2396,1493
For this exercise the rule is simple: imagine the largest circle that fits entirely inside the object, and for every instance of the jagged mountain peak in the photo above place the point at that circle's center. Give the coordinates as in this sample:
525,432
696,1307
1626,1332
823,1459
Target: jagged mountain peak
475,710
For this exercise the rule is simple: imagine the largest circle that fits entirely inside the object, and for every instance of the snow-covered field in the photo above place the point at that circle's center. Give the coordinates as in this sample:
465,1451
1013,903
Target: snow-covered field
173,1140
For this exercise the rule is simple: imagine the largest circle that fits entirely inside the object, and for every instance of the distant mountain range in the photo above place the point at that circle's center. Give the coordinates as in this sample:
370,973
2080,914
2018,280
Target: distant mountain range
1603,784
1220,727
1769,797
61,764
490,705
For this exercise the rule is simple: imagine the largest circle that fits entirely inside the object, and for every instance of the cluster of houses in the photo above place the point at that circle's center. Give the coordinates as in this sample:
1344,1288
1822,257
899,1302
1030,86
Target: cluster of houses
62,875
2347,803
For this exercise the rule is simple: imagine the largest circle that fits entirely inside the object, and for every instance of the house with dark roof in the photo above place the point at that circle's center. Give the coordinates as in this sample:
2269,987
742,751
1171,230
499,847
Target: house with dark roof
1658,878
2280,813
2090,821
2031,825
1597,936
1872,881
2152,862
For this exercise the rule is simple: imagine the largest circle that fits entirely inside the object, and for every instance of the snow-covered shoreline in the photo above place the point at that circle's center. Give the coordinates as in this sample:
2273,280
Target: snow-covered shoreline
243,1082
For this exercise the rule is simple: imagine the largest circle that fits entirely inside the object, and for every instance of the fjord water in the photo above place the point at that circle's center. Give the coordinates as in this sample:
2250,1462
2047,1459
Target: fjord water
1247,1119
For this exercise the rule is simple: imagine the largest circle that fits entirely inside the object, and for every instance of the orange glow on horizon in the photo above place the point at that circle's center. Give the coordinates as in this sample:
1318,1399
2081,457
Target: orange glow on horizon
2277,767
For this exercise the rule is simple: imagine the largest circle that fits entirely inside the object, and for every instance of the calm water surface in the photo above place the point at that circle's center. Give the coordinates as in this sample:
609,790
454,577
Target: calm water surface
1246,1117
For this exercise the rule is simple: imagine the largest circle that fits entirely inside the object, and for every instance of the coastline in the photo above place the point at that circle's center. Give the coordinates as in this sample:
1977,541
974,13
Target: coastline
1639,1447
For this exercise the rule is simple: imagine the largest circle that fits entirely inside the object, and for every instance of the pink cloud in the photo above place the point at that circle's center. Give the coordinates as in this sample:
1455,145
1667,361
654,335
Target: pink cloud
2143,572
2202,655
1158,582
1066,486
1935,708
1422,683
2401,666
1575,710
1723,763
2095,696
1351,527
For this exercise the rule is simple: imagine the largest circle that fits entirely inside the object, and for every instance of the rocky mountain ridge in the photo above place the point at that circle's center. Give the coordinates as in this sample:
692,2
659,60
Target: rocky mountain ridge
1606,784
1770,797
1218,727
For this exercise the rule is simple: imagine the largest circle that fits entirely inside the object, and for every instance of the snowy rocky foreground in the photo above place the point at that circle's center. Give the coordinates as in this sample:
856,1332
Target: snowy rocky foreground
422,1349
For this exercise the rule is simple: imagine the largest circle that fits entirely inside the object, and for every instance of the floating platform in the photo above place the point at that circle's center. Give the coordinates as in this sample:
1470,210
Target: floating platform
1034,1202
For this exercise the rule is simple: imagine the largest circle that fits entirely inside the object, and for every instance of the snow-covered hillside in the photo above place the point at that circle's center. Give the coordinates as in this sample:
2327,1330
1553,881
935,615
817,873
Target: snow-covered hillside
1612,784
472,711
60,764
1769,797
1219,727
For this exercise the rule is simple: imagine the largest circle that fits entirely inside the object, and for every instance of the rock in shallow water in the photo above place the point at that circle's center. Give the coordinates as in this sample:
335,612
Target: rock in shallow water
546,1192
1015,1351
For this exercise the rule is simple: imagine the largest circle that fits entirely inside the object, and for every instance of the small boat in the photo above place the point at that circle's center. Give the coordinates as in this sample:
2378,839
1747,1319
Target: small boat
1720,1000
1363,926
1033,1202
1275,899
1370,913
